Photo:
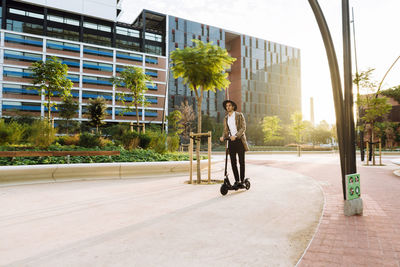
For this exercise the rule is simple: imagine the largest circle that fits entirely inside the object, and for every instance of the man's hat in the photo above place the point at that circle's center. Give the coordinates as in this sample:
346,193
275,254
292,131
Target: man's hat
229,101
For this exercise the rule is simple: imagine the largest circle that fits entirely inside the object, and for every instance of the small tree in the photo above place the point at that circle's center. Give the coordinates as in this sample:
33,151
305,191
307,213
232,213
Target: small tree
203,68
372,104
41,133
68,109
174,122
321,134
51,78
135,80
271,129
97,112
297,128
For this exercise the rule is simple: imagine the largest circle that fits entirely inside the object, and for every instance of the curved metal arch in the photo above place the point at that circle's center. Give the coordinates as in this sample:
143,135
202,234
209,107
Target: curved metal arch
336,84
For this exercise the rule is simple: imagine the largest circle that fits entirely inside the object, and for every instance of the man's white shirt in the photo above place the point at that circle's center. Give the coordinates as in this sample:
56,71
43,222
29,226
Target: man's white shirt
232,124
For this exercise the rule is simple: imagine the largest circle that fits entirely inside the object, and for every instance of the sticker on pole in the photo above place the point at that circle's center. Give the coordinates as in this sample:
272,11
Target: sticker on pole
353,190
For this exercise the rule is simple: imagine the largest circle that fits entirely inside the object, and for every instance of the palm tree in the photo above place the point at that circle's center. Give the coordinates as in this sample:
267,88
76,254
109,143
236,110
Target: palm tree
203,68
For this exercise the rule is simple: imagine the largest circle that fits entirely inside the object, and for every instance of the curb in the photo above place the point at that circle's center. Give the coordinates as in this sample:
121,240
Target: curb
12,175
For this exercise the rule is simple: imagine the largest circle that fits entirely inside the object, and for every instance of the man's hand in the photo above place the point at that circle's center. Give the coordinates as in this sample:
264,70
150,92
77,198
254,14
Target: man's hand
221,139
233,138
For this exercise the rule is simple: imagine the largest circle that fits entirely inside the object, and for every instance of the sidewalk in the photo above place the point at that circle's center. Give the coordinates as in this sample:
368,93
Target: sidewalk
369,240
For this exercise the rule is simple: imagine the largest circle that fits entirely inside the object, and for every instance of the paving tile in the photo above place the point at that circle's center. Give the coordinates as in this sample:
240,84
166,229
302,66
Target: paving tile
374,237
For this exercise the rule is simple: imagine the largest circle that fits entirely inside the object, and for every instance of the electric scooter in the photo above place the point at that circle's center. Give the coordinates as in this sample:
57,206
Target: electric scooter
226,186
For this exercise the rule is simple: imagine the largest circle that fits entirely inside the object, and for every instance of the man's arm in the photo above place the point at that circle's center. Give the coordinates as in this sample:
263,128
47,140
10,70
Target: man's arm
241,126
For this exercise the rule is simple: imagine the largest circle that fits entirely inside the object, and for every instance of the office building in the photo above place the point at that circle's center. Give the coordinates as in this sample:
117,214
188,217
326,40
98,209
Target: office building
265,78
86,36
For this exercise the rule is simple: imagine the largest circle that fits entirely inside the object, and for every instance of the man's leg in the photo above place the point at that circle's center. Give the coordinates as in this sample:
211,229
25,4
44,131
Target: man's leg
232,155
241,161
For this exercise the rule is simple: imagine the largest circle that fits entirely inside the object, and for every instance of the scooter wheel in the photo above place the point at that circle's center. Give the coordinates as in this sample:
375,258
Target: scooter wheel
224,189
247,184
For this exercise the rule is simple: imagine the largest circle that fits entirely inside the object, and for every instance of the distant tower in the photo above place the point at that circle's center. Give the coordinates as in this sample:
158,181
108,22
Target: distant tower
312,111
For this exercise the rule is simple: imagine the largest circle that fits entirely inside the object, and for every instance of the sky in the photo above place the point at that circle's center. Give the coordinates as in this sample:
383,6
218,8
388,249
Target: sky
291,22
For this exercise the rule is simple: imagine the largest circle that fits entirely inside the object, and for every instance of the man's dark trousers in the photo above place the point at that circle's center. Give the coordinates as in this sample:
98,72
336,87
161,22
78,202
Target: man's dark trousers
236,147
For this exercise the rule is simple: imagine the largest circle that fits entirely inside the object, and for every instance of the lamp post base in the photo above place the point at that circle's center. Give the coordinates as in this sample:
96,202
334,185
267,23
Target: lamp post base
353,207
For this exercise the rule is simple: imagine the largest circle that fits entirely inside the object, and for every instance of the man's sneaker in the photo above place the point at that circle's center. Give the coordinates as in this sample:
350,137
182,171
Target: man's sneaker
236,184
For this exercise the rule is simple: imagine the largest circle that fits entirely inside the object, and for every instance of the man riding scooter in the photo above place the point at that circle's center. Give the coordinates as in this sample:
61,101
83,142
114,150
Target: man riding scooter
234,129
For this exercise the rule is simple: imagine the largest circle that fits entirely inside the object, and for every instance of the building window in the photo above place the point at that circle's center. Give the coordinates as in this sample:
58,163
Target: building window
96,39
173,35
220,34
153,37
95,26
97,66
127,44
63,46
63,20
127,32
19,26
68,61
176,23
20,39
97,51
62,34
21,56
26,13
202,29
152,49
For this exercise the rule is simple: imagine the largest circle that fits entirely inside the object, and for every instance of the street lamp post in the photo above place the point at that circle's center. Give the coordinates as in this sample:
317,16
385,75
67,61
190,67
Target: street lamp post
343,106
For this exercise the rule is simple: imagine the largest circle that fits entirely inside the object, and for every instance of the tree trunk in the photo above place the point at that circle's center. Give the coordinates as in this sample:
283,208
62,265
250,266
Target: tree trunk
48,109
373,145
198,141
137,118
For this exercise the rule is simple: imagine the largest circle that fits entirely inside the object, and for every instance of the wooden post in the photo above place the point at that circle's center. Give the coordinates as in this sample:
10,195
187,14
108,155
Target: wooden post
380,151
209,157
191,157
373,153
367,153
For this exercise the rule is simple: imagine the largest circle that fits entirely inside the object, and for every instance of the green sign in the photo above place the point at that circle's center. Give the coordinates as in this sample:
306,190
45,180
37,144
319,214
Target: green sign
353,190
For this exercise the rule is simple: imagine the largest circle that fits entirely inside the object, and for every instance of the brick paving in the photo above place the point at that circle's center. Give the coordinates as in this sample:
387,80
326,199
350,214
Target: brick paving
372,239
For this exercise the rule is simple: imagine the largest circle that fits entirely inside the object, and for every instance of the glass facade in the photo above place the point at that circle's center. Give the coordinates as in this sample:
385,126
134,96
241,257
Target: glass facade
265,79
270,79
181,34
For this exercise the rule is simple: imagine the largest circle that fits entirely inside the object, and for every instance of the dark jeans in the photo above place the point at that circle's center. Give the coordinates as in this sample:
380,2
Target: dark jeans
236,147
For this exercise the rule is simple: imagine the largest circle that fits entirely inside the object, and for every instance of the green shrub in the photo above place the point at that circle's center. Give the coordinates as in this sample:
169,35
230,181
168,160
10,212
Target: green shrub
145,140
105,142
11,133
89,140
41,134
158,142
129,140
173,142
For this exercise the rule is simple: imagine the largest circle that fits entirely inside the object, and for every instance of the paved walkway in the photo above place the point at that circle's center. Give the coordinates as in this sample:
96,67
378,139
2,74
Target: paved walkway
369,240
163,222
160,222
